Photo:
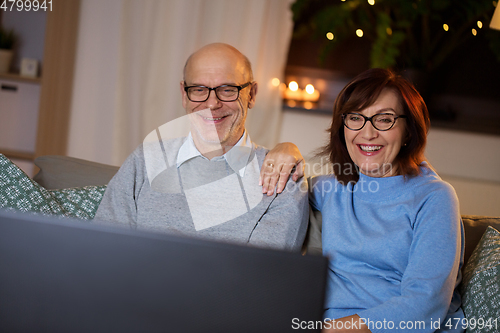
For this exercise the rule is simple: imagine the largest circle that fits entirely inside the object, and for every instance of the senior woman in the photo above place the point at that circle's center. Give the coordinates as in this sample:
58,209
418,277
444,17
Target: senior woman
391,227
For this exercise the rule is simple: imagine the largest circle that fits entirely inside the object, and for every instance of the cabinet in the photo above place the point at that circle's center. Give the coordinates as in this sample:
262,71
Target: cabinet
19,101
19,104
34,113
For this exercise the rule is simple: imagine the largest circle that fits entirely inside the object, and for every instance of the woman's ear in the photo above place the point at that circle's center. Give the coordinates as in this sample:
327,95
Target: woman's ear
406,140
253,94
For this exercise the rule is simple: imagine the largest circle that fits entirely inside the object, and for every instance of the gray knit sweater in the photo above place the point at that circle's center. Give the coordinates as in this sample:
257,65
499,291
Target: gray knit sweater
206,198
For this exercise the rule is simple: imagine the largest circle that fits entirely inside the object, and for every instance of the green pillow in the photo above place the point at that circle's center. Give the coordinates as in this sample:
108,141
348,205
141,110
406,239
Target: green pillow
80,202
20,193
481,285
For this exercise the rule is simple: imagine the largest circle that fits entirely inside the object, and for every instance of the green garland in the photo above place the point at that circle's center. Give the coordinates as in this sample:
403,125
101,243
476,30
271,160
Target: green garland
402,33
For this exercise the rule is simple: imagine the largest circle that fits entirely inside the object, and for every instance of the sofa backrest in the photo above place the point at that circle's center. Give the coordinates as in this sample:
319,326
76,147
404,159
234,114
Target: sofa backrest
59,172
475,226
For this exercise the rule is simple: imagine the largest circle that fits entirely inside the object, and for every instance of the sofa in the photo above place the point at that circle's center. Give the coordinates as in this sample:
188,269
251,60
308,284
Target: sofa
74,187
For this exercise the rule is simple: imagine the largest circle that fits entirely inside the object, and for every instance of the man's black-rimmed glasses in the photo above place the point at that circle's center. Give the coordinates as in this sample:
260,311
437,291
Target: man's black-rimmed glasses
225,93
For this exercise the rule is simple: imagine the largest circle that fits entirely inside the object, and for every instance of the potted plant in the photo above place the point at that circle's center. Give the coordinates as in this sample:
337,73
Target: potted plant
7,41
403,34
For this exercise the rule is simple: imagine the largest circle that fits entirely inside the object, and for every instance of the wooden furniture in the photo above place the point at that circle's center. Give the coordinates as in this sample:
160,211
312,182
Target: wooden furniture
56,82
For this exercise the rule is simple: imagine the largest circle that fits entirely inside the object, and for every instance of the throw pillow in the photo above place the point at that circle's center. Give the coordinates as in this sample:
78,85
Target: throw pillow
20,193
80,202
481,285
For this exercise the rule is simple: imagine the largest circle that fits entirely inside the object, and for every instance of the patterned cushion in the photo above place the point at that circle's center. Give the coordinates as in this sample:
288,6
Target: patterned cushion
481,285
20,193
80,202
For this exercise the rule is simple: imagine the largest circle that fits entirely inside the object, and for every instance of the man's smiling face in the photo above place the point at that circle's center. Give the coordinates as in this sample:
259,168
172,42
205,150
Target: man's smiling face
217,123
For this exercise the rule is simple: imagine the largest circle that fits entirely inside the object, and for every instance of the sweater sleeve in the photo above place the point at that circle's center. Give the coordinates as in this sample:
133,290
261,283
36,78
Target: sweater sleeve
119,204
429,281
284,224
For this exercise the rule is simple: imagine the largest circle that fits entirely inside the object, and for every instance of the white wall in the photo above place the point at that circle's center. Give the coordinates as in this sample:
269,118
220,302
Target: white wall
469,162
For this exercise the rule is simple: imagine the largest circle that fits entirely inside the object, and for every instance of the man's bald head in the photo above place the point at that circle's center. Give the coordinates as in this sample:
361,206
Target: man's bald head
224,51
217,124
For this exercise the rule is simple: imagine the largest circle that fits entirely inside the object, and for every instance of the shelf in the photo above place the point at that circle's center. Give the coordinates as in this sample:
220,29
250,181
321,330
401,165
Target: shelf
19,78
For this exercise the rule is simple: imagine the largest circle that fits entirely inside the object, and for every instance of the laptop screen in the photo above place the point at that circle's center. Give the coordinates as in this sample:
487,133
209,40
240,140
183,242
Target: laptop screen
63,275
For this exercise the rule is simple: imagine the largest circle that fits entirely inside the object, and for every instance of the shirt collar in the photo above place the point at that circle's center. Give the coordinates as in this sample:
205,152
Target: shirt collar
237,157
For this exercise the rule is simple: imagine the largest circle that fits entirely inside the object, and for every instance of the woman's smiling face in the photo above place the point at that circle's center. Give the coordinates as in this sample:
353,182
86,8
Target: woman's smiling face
374,151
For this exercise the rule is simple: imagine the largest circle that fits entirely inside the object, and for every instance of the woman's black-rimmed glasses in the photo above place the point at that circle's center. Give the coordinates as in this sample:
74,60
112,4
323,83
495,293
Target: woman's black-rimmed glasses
225,93
381,121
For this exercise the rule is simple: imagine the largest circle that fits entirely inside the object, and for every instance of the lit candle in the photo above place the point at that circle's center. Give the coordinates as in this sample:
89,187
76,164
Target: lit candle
310,94
293,94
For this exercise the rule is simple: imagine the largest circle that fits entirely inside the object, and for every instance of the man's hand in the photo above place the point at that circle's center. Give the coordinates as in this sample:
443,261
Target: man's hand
278,165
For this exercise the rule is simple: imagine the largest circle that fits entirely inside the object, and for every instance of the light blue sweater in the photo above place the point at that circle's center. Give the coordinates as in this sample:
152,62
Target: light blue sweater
395,247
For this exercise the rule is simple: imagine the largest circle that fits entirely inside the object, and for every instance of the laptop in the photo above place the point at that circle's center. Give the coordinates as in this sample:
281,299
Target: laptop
64,275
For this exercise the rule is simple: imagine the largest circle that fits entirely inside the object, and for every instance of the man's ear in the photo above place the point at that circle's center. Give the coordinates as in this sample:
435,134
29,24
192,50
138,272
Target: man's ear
184,95
253,94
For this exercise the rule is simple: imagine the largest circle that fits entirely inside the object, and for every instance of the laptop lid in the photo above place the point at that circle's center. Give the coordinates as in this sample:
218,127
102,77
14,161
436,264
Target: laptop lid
63,275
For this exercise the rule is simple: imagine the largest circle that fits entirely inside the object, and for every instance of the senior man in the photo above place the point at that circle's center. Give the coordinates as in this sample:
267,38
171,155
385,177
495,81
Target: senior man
209,184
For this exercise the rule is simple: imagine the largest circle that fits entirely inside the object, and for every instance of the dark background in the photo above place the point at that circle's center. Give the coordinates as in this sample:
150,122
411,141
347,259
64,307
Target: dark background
471,73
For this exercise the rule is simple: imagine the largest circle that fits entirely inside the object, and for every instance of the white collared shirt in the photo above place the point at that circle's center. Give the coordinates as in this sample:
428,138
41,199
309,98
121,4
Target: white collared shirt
237,159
